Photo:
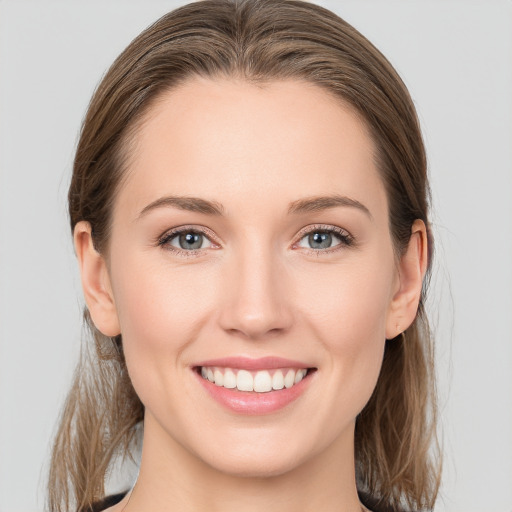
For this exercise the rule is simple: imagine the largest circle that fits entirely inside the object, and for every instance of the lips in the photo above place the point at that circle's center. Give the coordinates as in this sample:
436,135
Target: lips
254,386
247,363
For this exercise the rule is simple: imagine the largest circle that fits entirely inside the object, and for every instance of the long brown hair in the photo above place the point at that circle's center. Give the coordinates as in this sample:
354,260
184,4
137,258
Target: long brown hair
258,41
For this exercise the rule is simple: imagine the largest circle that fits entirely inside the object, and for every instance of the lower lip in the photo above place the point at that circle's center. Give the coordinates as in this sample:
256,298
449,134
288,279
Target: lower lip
248,402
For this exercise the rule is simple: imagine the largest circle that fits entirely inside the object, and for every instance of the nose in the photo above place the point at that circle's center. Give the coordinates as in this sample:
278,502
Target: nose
256,297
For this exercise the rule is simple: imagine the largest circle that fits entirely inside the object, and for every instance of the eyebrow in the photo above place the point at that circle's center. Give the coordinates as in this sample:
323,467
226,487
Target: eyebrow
191,204
319,203
308,204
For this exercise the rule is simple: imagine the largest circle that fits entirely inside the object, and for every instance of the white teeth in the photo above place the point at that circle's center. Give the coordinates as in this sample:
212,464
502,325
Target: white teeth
278,380
219,378
299,376
229,379
289,380
244,381
262,382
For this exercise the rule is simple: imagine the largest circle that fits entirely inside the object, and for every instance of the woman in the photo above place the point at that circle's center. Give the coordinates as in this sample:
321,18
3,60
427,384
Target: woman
249,205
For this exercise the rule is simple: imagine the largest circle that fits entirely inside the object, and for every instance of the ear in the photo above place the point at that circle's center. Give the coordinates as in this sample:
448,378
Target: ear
95,282
411,271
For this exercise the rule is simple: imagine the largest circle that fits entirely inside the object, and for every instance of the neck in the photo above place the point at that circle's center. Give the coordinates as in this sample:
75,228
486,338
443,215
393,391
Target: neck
173,479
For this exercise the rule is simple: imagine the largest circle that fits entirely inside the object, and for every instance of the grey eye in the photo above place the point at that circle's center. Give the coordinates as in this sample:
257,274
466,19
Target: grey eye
319,240
190,240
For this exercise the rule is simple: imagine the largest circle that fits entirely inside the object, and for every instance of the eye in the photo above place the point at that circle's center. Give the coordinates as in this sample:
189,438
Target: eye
325,238
185,239
319,240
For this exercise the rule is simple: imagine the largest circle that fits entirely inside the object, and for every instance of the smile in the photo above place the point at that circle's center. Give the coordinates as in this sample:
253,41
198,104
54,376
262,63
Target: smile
262,381
254,386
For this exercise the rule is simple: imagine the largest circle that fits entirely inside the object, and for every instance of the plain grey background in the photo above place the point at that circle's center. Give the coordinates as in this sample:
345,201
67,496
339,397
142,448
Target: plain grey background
456,58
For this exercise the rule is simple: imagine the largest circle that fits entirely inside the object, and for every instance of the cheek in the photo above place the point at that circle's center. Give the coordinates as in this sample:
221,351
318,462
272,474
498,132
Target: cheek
156,300
161,311
347,302
347,311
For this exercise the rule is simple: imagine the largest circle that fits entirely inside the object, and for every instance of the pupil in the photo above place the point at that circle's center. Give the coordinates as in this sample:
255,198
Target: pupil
191,240
320,240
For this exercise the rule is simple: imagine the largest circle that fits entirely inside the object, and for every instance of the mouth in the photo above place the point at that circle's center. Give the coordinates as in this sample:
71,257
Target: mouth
261,381
254,386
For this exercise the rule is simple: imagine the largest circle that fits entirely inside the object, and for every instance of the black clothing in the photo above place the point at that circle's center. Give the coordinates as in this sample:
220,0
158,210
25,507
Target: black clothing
109,501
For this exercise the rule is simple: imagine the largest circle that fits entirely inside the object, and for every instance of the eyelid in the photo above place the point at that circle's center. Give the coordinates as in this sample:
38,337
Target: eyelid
187,228
346,237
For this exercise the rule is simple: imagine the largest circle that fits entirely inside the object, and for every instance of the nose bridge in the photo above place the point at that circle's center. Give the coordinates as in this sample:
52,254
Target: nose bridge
256,302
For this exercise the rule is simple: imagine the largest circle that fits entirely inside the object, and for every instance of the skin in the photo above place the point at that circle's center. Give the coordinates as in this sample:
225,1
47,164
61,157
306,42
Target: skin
256,288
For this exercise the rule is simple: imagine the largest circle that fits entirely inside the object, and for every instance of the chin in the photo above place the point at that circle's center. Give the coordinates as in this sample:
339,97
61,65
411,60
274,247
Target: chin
266,457
250,467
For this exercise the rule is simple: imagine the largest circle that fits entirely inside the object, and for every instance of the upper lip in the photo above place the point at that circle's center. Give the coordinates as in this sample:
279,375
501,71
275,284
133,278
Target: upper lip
247,363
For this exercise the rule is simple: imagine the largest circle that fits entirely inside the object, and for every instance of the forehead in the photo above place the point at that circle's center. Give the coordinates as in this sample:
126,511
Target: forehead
227,139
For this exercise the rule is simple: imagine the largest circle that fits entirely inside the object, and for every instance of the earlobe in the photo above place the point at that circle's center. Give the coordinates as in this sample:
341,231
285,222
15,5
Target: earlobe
411,271
95,282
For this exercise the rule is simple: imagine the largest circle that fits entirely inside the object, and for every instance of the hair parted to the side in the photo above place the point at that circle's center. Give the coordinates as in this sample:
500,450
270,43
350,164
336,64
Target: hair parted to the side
256,41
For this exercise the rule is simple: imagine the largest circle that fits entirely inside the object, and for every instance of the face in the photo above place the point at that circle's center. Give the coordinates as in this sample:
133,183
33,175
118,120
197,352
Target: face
250,246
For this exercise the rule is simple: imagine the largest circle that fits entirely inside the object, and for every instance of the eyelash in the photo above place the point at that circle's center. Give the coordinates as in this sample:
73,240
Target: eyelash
164,240
345,238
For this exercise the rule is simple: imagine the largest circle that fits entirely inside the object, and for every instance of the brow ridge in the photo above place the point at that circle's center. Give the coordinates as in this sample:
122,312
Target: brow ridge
304,205
319,203
192,204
